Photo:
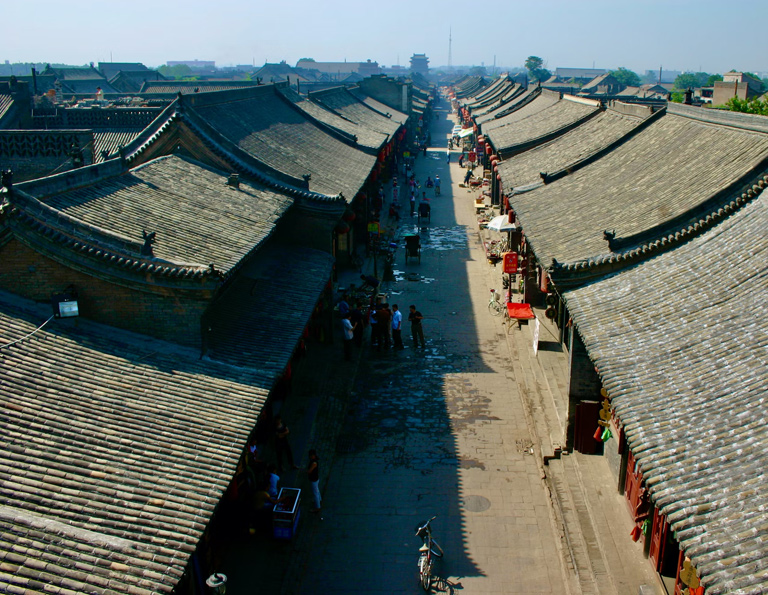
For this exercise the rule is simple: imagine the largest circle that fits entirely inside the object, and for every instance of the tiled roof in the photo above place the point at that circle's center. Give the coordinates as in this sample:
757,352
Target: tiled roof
513,92
539,103
667,175
681,344
6,101
348,106
508,107
111,141
116,450
389,112
251,325
469,86
491,98
562,152
266,125
197,217
556,117
192,87
363,135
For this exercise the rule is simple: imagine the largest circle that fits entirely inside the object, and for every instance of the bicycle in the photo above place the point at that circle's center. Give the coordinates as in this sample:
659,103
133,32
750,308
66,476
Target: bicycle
494,305
429,549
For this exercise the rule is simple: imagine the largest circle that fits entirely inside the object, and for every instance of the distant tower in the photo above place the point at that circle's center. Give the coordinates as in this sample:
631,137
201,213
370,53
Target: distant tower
450,42
420,64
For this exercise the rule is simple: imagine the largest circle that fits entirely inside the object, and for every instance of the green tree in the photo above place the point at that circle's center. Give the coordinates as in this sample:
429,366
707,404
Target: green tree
626,77
713,78
748,106
691,80
677,97
536,70
176,72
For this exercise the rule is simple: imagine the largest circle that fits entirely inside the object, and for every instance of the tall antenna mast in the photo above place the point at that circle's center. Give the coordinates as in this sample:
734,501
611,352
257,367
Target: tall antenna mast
450,42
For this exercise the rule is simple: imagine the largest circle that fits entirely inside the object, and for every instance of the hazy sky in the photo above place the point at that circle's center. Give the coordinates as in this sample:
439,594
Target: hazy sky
711,35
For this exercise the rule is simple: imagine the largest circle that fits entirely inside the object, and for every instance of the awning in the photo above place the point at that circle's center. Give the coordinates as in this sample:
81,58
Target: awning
465,132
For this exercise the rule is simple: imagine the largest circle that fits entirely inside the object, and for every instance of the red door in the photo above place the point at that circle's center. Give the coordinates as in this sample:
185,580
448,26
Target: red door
658,539
633,484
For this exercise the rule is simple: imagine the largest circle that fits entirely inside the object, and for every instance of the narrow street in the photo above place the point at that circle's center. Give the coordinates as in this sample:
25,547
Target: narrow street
439,431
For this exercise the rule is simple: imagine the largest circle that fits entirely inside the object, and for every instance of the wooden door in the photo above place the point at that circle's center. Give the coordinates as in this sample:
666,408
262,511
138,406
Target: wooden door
659,530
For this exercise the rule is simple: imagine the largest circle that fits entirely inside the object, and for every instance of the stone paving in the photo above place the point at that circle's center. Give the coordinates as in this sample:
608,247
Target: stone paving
437,431
456,430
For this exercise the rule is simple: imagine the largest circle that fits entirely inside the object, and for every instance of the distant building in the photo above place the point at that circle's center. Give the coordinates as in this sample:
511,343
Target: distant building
736,84
420,64
578,74
194,64
341,70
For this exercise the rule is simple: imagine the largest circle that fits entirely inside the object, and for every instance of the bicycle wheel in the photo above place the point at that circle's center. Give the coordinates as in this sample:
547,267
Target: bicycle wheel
494,307
436,550
425,573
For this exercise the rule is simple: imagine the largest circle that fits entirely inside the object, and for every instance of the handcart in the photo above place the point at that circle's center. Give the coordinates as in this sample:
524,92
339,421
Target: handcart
425,211
285,516
412,247
518,312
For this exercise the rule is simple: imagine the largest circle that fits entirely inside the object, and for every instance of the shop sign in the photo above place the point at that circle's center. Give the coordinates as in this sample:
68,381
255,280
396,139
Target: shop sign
373,227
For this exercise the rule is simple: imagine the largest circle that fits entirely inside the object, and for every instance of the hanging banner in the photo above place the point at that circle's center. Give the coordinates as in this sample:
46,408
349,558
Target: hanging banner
536,328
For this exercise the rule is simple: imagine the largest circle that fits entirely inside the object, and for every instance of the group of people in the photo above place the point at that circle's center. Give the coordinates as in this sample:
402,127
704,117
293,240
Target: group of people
263,477
386,326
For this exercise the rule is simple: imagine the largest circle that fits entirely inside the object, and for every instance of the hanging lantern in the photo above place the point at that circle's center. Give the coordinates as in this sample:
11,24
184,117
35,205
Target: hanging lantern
341,228
349,215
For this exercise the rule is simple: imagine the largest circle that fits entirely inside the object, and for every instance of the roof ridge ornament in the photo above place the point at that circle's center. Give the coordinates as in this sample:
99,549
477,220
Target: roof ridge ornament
149,239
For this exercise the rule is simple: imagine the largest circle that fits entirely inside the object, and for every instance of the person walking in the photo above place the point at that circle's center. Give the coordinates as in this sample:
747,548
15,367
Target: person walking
313,473
385,320
397,327
357,319
349,336
373,322
415,318
413,203
282,446
437,185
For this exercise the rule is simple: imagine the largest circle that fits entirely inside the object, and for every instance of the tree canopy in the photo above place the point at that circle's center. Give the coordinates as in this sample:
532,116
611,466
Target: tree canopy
536,70
691,80
749,106
177,72
626,77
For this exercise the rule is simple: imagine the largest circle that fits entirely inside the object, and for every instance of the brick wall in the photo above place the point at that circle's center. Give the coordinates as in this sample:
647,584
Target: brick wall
163,313
386,91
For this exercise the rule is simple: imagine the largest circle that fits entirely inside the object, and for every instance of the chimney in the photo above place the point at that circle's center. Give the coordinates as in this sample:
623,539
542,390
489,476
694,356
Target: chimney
234,181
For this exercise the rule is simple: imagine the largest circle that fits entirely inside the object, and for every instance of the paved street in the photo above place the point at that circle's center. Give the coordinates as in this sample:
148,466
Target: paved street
439,431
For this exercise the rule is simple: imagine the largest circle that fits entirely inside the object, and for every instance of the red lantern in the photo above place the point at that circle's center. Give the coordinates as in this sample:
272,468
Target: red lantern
342,228
511,214
488,149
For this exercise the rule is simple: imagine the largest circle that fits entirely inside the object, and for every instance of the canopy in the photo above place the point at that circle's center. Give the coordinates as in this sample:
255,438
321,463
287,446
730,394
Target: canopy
465,132
501,223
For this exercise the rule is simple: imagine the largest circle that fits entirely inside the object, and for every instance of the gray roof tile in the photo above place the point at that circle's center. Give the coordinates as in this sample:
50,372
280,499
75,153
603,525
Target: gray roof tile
95,460
662,174
574,146
266,125
528,127
685,360
171,196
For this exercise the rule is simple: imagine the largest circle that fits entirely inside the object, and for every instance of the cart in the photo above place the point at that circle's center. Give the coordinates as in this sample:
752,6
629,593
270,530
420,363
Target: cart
285,516
425,211
412,247
517,312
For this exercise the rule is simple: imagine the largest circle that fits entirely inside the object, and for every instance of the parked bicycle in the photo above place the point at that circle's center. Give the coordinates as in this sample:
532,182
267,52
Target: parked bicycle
429,550
494,305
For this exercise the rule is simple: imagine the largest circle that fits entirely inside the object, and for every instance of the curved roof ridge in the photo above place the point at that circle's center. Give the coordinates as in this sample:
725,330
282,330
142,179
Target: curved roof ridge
601,264
741,121
176,112
93,241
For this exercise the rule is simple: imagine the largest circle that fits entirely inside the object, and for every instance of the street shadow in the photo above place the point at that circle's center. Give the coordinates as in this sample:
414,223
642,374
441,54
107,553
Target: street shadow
397,459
